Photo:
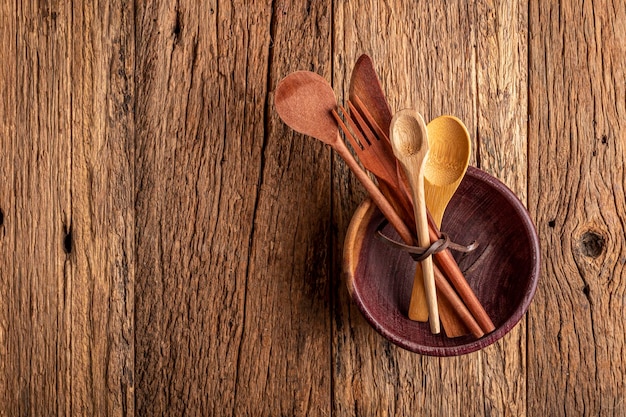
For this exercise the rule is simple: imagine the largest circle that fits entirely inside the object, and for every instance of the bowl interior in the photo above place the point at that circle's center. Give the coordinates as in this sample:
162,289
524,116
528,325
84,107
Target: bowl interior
503,269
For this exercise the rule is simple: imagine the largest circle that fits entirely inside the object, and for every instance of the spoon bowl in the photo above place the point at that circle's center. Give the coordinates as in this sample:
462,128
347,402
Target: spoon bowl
305,101
409,136
448,158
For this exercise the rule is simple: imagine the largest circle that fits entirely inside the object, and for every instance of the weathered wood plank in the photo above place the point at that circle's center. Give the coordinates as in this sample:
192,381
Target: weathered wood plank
67,227
8,121
159,184
232,208
100,285
501,132
36,164
187,311
425,58
577,149
456,61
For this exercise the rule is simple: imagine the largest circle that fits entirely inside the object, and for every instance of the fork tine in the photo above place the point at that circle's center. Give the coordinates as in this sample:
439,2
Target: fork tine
355,128
346,132
370,119
364,127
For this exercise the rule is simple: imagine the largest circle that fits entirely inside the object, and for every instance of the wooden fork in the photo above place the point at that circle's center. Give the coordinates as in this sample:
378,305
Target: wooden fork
377,157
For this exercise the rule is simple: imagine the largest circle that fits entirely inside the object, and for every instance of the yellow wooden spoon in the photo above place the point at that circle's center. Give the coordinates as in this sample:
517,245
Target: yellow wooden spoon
448,158
409,141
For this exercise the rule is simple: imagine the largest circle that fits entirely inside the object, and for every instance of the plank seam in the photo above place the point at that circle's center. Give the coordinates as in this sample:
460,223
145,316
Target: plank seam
329,245
528,181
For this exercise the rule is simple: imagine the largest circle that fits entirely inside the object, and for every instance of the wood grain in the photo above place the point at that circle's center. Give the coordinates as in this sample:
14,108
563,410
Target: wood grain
232,287
67,222
163,253
102,228
9,369
577,140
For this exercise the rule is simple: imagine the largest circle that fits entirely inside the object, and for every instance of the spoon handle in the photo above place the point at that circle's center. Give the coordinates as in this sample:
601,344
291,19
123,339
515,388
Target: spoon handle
421,223
375,194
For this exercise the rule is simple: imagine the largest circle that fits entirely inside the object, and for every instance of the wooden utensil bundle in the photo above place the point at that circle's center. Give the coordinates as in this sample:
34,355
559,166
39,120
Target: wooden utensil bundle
365,125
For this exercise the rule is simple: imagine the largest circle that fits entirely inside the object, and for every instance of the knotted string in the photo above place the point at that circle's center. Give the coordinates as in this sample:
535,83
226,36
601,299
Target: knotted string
420,253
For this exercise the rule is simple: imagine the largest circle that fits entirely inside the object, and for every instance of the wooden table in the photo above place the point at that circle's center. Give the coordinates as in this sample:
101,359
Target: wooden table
169,247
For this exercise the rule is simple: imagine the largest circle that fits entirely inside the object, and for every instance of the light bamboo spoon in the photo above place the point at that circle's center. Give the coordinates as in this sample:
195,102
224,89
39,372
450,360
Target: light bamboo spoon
304,101
409,141
448,158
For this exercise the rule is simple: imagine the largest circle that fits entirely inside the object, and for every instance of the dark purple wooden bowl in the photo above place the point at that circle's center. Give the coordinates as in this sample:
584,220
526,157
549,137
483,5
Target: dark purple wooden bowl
503,270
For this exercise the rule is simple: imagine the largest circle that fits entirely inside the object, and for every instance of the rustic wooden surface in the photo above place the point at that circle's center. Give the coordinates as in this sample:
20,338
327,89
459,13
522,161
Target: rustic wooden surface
169,247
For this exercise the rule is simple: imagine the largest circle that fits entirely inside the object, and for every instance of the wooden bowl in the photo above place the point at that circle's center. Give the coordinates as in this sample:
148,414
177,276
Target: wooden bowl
503,270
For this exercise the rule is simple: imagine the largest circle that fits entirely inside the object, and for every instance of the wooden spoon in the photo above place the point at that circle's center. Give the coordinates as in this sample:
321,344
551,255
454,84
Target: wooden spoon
448,158
304,101
409,140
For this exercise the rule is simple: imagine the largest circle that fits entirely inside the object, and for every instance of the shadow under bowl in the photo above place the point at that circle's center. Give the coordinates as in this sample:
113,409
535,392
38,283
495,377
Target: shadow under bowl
503,270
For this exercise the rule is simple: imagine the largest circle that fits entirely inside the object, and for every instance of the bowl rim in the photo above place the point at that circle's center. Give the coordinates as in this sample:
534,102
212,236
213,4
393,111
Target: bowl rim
352,247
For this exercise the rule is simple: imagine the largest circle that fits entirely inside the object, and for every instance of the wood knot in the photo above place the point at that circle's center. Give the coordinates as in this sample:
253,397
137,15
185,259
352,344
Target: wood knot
177,29
592,244
67,241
